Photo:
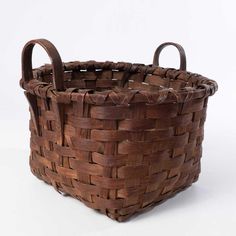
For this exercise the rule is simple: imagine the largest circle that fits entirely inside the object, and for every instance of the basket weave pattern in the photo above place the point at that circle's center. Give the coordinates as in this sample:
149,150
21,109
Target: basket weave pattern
120,137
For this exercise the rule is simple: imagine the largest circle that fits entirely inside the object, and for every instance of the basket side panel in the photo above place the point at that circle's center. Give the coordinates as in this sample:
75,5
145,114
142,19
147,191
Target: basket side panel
119,159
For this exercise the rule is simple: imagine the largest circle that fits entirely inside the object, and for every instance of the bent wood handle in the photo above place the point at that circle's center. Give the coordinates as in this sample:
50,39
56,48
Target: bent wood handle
181,53
26,59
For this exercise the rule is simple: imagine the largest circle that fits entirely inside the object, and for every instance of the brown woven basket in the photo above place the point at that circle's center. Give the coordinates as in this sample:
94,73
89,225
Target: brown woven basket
120,137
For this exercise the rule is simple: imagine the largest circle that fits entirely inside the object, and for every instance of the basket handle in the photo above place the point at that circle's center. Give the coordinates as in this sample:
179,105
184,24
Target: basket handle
57,67
181,53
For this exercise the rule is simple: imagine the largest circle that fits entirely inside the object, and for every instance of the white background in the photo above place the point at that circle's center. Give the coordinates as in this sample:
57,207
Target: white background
122,30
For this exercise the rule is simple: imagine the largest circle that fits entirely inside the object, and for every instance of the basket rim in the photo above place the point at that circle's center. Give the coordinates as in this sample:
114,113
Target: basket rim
122,96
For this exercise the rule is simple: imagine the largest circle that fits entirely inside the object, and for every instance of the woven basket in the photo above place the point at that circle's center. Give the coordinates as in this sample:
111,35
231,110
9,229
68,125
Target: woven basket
120,137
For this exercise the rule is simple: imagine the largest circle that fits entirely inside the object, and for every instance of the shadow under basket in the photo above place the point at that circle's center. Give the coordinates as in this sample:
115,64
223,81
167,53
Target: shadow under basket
120,137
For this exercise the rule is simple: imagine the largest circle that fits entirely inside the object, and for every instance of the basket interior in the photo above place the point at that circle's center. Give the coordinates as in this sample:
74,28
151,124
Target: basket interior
99,79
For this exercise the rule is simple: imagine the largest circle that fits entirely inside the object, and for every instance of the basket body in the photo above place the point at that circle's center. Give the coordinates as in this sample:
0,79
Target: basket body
116,159
120,137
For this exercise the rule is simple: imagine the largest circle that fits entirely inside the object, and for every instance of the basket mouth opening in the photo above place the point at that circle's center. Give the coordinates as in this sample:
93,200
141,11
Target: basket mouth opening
99,77
119,83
